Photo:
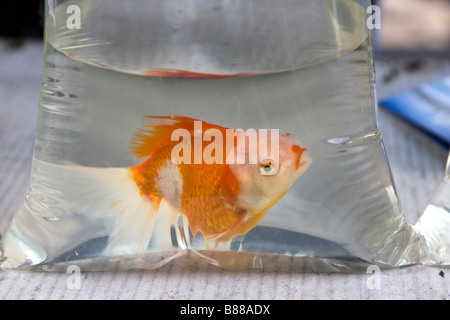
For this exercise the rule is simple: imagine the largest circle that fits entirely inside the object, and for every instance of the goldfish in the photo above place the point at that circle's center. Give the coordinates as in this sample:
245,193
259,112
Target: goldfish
220,200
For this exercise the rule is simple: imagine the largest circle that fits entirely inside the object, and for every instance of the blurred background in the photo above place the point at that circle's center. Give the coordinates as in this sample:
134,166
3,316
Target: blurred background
415,26
412,49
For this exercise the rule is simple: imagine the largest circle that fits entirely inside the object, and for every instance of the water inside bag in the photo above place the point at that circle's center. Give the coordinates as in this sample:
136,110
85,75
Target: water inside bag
302,67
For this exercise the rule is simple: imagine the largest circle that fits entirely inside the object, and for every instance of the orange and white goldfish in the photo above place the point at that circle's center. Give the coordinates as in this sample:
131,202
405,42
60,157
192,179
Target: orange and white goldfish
219,200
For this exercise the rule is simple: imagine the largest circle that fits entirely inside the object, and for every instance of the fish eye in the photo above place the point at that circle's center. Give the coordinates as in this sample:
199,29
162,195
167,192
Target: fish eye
268,167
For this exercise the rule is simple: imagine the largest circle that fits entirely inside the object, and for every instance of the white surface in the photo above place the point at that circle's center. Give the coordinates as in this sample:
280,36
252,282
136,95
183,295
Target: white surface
416,160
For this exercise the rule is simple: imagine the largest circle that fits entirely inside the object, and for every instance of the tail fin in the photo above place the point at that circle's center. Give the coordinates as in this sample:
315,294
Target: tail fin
107,194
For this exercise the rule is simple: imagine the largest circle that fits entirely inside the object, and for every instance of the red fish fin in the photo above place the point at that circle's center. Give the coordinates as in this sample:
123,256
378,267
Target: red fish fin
155,135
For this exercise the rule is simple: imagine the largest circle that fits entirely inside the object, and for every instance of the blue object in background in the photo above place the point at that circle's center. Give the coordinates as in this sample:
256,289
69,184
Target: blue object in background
428,107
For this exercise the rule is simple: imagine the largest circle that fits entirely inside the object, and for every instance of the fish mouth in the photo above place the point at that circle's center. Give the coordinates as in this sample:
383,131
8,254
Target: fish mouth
298,151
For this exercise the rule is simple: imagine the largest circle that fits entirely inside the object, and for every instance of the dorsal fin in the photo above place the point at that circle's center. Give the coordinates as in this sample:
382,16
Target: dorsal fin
154,135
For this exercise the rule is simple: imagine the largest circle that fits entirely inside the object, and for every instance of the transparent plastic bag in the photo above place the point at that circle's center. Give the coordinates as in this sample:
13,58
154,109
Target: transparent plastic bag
242,133
434,224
